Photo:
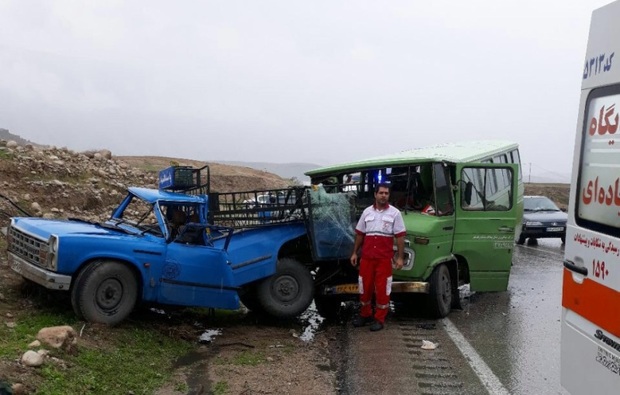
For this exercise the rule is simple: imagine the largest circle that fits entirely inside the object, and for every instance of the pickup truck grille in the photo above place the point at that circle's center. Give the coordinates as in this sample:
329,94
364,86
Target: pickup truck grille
27,247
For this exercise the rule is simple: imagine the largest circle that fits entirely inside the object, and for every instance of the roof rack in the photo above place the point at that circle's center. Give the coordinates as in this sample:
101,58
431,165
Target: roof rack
186,179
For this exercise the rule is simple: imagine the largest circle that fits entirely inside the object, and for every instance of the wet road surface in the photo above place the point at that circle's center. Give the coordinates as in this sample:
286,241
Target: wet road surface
392,361
500,343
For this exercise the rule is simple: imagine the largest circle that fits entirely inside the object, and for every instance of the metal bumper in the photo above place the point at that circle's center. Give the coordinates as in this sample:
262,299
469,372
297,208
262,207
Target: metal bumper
397,287
39,275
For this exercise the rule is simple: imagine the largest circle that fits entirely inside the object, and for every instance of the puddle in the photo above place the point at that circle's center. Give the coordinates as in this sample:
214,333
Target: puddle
191,358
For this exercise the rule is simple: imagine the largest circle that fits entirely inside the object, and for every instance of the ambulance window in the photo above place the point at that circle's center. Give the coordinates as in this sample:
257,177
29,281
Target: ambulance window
598,188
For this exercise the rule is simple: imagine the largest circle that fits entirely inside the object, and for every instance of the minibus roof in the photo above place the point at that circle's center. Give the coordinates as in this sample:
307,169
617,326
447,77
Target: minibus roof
469,151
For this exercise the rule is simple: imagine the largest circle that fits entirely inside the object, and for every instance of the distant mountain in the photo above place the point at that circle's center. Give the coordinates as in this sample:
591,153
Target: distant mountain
284,170
6,135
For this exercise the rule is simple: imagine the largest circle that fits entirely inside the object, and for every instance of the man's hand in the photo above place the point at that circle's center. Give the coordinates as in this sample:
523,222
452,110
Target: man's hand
354,259
399,263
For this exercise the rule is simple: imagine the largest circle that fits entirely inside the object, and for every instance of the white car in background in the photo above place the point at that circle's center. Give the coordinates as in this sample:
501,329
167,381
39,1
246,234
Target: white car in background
266,199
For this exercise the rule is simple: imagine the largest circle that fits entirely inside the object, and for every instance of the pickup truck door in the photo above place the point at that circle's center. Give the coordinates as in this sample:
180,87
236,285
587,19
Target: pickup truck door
197,275
486,216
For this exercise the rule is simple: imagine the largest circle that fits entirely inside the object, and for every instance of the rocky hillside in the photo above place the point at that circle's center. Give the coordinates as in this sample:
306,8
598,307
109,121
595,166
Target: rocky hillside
57,182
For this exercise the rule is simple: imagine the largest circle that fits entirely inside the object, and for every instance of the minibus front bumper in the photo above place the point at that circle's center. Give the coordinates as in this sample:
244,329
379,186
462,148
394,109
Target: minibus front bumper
397,287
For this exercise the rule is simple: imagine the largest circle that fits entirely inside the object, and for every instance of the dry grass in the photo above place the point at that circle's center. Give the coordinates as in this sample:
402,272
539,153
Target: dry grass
559,193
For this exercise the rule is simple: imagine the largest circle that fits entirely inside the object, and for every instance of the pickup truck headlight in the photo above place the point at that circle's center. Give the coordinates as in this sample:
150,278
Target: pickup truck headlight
52,254
533,223
9,238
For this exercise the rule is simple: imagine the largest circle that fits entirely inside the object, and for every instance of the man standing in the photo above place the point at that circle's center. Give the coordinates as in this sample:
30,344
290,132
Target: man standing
375,233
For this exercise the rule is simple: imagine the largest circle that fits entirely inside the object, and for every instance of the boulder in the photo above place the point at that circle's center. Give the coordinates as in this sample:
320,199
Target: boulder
32,358
63,337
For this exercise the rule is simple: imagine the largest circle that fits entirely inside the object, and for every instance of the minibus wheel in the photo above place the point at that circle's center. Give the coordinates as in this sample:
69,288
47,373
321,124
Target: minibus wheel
440,295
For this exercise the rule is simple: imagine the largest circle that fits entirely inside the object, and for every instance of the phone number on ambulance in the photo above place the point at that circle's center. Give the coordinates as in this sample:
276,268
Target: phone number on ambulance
608,360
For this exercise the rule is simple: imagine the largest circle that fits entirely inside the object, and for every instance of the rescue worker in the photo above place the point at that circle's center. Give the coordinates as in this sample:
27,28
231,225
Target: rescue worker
375,233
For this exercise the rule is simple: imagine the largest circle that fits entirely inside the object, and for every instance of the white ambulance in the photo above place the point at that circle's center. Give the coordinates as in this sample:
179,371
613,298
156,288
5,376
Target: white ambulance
590,341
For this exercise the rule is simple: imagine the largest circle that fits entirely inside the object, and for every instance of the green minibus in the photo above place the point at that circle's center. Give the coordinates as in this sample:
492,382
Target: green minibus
462,205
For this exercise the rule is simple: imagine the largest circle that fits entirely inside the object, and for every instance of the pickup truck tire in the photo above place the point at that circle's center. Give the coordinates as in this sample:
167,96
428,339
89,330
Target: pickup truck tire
105,292
288,292
440,295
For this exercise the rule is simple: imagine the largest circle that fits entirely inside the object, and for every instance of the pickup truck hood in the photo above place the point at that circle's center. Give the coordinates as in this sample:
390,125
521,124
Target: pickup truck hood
44,228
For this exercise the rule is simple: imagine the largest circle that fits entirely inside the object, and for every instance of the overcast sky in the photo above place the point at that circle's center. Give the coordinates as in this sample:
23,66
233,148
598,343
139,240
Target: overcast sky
289,81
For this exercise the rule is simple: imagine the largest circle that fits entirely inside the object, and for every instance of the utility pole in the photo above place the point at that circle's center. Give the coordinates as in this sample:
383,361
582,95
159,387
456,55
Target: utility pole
529,176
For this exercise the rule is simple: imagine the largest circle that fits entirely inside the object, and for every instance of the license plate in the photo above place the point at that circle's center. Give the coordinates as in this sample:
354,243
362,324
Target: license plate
15,264
558,229
346,289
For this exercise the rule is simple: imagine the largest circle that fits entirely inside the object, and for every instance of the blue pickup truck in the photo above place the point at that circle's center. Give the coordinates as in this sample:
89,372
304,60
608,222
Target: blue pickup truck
180,244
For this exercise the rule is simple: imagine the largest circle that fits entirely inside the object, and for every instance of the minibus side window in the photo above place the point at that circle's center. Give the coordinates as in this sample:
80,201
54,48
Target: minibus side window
479,191
516,159
443,190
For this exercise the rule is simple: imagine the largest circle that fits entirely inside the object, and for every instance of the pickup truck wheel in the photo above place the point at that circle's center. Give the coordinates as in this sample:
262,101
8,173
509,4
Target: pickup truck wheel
288,292
521,240
105,292
440,295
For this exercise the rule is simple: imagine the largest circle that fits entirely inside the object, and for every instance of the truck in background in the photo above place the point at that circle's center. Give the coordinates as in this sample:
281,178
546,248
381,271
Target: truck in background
590,340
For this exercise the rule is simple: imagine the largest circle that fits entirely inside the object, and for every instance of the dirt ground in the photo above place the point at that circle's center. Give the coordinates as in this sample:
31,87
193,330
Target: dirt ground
263,359
233,354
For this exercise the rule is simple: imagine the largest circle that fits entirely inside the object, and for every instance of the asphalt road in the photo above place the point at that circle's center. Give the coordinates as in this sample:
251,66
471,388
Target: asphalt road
500,343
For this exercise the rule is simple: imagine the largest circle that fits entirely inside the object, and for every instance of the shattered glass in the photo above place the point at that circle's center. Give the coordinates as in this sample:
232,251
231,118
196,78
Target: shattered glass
331,223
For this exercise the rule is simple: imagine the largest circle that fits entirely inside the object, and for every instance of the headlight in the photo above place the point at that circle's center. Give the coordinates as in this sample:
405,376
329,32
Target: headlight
52,256
408,259
533,223
9,237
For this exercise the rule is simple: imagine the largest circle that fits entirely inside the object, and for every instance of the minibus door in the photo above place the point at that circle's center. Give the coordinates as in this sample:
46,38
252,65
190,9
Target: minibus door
486,217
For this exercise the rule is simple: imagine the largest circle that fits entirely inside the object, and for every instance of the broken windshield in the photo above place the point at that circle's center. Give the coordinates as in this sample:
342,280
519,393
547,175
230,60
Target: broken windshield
138,217
331,223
